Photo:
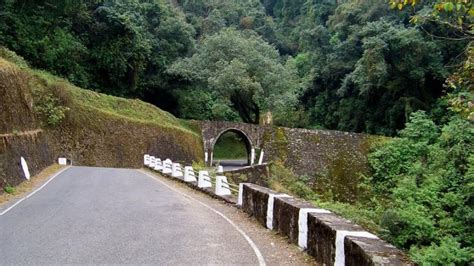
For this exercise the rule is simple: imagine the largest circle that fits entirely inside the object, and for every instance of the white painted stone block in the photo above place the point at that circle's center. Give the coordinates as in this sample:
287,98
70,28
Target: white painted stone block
222,186
177,171
206,156
204,179
340,259
271,200
252,156
303,225
167,167
240,197
158,165
260,160
220,169
24,166
189,175
146,159
62,161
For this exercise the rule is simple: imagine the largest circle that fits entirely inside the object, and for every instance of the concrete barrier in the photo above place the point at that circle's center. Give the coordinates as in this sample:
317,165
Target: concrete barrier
167,167
146,159
222,186
189,175
204,179
158,165
152,162
176,170
62,161
331,239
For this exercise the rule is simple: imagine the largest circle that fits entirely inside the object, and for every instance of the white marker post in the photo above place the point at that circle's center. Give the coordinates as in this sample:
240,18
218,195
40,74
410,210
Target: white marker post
340,259
260,160
158,165
252,156
167,167
241,194
24,166
152,162
62,161
206,157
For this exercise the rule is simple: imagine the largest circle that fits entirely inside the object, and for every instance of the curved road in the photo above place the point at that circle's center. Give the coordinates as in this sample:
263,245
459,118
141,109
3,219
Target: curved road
101,215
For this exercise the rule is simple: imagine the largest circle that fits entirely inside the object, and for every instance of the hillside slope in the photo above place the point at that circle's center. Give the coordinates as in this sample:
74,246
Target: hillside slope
43,117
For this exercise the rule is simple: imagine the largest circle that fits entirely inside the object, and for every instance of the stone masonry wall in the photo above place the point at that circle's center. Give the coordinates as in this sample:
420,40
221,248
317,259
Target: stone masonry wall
320,229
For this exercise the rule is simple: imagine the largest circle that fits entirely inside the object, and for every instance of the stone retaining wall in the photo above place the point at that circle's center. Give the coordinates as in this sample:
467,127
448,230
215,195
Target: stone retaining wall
327,234
256,174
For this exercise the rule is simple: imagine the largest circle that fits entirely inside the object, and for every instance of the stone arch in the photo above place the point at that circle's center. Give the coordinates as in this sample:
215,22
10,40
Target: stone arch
247,140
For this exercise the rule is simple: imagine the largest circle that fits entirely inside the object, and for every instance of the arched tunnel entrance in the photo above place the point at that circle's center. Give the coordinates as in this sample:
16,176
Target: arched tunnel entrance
232,149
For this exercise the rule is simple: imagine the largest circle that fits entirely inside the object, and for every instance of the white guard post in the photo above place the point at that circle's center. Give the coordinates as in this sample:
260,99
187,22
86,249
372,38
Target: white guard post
206,157
252,156
167,167
204,179
222,187
152,162
220,169
62,161
260,160
189,174
176,170
146,159
241,194
158,165
24,166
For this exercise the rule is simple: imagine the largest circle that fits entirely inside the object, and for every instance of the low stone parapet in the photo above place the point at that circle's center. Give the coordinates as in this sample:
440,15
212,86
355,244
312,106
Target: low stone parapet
331,239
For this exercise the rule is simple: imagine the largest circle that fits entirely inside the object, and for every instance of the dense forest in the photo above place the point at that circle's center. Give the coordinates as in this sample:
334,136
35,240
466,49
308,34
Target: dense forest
392,67
348,65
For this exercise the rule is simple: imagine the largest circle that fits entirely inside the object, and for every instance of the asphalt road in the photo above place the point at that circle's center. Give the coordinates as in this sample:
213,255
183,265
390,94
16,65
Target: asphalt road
100,215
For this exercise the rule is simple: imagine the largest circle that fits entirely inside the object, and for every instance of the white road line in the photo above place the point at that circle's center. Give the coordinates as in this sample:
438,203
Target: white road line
261,260
32,193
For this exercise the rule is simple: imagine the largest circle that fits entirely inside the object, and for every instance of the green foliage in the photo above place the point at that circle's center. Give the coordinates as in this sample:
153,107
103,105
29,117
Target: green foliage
49,108
230,145
426,175
244,72
9,189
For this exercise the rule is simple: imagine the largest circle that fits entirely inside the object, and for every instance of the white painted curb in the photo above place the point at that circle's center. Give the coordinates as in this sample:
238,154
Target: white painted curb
271,200
189,175
340,259
303,225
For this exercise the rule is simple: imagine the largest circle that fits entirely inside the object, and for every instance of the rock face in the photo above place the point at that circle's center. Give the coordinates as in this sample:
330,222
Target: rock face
332,240
332,160
86,136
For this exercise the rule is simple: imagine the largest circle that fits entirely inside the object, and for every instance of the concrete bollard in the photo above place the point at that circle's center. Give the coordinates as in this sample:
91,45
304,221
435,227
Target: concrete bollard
241,194
152,162
167,167
252,156
189,175
62,161
176,170
220,169
158,165
260,160
204,179
146,159
222,186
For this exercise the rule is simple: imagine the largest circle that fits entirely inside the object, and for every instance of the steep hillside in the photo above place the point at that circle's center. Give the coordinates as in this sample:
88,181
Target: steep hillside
43,117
